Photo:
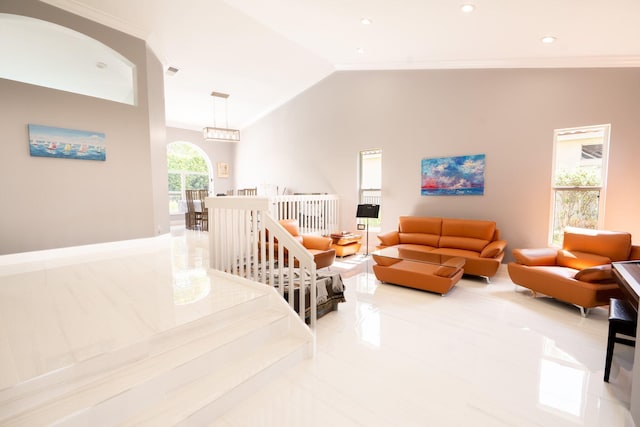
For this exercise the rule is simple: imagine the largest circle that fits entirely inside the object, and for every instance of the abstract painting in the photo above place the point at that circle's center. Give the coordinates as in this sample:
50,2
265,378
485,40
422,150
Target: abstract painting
48,141
461,175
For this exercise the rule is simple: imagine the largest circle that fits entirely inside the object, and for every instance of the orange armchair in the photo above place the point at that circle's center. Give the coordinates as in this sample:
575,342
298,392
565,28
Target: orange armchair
319,246
579,273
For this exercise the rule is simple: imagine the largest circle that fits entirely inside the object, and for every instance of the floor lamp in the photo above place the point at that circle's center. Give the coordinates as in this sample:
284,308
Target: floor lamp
367,211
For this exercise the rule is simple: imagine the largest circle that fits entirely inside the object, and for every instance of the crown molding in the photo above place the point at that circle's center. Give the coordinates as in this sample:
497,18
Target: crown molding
556,62
78,8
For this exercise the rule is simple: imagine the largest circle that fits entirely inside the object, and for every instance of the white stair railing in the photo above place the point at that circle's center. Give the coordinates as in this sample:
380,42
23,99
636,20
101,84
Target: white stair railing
316,213
242,240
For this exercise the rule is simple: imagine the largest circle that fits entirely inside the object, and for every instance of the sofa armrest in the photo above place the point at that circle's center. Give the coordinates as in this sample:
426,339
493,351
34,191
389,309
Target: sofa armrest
533,257
389,238
493,249
316,242
635,252
597,274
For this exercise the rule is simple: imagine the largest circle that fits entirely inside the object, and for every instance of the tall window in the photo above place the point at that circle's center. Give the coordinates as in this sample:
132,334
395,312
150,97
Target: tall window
188,170
579,178
370,180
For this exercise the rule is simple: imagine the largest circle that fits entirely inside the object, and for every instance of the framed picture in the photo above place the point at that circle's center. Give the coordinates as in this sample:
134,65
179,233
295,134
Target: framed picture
223,170
461,175
48,141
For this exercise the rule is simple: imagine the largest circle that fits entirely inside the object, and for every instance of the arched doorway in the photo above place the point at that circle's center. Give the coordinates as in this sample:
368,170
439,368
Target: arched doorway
189,168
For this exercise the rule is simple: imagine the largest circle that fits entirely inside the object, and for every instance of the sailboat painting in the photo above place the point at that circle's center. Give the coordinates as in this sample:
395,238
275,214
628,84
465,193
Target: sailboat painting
461,175
48,141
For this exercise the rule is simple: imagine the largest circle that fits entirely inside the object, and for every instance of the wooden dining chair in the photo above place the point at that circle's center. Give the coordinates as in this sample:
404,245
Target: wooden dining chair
204,211
193,216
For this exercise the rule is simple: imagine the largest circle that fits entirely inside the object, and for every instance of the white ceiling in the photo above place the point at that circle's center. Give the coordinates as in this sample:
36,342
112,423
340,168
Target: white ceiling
264,52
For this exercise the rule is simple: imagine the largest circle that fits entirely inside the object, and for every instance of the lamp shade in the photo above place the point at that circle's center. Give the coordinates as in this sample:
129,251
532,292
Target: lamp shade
214,133
221,134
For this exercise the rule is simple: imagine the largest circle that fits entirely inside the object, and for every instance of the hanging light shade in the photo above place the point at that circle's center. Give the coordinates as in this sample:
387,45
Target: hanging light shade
216,133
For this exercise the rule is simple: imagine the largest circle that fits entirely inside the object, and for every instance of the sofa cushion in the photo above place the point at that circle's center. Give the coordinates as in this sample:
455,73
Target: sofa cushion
419,239
291,225
493,249
477,229
416,224
468,243
615,245
580,260
316,242
389,238
414,248
456,252
597,274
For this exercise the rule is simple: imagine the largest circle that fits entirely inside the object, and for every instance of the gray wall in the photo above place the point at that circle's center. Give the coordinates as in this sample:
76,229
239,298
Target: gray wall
48,202
311,144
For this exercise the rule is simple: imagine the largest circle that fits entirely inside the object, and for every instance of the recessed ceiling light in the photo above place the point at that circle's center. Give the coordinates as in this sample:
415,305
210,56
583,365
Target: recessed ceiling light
548,39
101,65
366,21
171,71
360,50
467,8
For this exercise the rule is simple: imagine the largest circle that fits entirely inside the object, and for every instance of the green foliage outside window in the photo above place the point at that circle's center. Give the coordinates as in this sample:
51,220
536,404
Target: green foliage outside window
578,178
174,181
577,205
187,171
197,182
183,157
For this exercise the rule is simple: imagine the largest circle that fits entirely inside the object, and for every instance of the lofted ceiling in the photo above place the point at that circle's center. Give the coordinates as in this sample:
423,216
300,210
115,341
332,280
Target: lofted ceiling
265,52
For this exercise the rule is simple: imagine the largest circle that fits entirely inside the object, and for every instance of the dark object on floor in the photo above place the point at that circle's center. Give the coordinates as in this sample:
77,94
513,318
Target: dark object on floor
330,292
622,320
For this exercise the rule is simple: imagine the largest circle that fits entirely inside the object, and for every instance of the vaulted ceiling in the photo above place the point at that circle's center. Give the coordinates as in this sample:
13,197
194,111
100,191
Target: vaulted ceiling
265,52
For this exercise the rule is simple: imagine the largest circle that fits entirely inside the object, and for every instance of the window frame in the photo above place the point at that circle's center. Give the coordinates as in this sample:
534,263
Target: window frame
604,161
374,224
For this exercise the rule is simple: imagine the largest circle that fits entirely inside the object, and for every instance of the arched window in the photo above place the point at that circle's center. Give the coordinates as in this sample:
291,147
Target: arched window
46,54
189,168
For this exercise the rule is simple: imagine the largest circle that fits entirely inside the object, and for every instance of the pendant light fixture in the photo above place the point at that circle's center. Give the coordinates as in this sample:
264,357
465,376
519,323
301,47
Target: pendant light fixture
220,134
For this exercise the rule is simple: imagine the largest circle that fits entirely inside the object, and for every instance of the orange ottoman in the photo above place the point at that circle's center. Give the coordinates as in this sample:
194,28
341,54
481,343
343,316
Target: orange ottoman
346,243
419,275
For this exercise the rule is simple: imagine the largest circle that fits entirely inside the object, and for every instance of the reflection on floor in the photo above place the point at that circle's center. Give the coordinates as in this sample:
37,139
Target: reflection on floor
484,355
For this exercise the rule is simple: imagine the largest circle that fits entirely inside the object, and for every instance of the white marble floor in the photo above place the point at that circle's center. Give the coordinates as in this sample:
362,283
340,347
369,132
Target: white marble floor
484,355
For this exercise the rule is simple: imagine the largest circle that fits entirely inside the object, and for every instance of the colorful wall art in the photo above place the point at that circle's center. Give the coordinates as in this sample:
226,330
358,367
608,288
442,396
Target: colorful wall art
461,175
47,141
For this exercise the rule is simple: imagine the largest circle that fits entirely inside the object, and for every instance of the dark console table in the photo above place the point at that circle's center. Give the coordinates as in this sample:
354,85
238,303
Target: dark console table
627,274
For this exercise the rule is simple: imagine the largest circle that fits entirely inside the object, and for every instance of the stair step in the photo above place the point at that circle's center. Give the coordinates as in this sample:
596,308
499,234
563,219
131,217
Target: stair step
34,392
146,381
200,402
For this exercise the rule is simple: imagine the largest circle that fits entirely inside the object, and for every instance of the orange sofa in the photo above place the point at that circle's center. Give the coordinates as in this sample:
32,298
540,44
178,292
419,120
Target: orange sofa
579,273
477,242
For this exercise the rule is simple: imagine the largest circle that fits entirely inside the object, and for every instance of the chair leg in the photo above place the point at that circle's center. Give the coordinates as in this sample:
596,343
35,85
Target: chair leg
584,311
607,363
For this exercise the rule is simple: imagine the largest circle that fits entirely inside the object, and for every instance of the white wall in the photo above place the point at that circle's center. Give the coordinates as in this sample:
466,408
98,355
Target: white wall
50,202
312,142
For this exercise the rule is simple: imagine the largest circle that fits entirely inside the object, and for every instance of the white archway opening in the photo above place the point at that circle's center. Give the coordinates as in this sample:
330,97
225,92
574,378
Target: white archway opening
189,168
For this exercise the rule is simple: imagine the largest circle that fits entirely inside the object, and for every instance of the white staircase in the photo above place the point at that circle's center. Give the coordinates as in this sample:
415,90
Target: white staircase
188,375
